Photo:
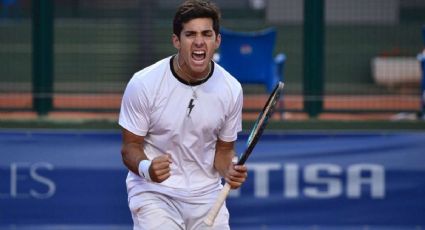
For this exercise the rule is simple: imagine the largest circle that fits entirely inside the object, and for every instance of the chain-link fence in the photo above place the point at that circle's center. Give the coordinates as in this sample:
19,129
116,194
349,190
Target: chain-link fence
370,49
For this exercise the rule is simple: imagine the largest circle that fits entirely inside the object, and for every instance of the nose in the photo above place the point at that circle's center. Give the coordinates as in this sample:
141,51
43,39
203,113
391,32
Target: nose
199,41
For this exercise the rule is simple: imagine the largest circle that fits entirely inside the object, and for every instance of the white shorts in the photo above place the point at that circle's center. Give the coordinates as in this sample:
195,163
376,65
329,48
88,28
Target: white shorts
154,211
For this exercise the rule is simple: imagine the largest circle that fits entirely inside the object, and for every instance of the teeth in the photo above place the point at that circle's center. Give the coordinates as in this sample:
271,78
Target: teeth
198,55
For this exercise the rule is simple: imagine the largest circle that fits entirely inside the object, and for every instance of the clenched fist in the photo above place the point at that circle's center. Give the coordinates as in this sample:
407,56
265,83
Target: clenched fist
160,169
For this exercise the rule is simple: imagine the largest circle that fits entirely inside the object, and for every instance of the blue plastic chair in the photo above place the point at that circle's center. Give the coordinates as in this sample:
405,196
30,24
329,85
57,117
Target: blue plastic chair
248,56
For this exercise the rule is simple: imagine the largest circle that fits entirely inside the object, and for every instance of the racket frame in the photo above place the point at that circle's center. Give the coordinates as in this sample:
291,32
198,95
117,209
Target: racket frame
256,132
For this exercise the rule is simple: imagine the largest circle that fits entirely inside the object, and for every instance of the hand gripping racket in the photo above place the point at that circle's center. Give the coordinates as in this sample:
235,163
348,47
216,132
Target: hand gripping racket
254,136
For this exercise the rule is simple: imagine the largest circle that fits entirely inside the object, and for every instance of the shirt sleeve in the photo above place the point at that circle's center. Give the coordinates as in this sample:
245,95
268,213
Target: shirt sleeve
233,123
134,111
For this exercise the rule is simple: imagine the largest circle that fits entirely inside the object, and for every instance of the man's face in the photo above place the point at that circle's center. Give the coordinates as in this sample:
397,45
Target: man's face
196,45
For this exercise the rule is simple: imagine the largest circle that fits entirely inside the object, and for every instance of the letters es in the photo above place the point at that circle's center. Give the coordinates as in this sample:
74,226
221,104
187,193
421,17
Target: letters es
26,180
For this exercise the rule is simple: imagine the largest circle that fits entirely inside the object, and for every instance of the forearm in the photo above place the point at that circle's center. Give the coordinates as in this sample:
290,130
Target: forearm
132,154
223,157
223,161
234,175
132,150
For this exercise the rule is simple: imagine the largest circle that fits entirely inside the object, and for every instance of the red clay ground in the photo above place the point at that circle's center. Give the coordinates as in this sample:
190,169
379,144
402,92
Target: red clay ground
112,102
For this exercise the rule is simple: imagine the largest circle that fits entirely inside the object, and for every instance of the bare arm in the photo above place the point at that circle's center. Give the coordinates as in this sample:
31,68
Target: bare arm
234,175
132,154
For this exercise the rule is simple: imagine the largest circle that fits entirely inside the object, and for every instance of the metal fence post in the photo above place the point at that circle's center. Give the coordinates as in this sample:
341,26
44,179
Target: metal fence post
422,61
42,59
313,59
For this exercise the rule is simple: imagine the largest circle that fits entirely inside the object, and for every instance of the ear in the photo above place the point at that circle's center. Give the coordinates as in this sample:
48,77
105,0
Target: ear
218,41
176,41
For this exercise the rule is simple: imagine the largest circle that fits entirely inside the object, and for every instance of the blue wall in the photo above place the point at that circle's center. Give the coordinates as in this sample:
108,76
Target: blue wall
295,179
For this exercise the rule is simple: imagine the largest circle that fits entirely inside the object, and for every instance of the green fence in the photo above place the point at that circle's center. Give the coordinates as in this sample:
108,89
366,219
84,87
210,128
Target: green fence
369,51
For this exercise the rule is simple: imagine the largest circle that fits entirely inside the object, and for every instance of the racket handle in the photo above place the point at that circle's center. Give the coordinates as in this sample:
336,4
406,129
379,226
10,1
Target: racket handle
212,214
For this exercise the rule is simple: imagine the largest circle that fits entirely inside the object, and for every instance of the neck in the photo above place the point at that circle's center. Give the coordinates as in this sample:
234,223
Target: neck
186,76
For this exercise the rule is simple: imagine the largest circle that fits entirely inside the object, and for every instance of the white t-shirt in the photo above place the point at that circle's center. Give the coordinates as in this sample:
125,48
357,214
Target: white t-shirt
157,105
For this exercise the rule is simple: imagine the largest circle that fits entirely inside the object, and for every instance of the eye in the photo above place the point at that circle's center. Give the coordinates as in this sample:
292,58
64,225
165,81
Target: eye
189,34
208,33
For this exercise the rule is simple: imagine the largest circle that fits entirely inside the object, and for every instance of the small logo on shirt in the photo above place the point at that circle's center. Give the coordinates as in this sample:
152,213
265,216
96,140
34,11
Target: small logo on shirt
190,107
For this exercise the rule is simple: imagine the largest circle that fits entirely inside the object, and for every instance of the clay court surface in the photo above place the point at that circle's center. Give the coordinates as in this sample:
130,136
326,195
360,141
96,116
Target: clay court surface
106,106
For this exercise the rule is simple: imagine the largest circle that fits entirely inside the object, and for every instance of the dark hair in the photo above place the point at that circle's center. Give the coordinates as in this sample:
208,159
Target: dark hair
192,9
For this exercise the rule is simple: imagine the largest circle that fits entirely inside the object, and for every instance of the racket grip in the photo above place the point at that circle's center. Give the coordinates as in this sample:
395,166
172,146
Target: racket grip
212,214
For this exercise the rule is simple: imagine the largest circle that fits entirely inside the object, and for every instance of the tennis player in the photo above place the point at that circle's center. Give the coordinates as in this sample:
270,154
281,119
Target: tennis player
180,118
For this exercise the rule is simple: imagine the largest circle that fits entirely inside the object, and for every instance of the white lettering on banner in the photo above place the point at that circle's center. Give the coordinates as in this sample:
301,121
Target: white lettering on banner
333,185
320,181
376,180
22,178
290,181
42,180
261,178
15,177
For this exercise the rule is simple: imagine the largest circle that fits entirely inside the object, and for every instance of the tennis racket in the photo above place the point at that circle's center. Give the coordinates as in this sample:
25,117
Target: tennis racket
254,136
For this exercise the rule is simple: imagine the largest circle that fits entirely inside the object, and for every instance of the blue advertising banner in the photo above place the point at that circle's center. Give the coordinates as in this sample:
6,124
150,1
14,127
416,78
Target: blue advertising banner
295,179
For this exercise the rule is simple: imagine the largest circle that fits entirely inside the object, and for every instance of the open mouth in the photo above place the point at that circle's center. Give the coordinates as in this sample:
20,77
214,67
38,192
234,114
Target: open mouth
199,55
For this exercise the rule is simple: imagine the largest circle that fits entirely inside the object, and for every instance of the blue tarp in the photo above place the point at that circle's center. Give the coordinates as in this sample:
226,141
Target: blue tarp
295,179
